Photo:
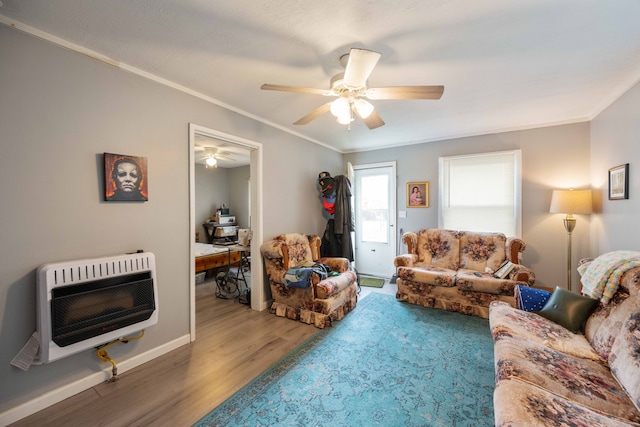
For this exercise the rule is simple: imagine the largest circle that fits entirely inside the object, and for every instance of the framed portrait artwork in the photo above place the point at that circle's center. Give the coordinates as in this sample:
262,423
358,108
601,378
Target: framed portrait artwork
417,194
125,178
619,182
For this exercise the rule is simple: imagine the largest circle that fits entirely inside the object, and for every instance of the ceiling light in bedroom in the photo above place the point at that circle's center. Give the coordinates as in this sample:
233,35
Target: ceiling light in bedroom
211,162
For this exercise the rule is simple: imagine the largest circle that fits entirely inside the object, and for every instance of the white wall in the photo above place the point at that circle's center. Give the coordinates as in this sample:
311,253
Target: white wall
552,157
59,111
615,140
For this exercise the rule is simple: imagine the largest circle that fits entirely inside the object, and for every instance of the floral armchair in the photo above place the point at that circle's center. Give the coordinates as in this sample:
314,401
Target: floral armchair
324,301
453,270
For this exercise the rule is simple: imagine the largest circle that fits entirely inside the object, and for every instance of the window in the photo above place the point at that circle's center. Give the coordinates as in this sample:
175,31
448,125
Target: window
481,192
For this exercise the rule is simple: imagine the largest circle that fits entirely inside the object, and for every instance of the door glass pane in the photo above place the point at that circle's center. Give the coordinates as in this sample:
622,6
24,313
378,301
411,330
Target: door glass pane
375,208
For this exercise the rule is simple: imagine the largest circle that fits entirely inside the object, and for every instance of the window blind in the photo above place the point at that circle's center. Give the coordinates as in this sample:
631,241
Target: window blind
481,192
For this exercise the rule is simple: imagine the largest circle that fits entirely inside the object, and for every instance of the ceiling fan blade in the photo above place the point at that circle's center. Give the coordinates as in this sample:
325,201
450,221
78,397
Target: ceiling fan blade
372,121
314,114
359,67
267,86
405,92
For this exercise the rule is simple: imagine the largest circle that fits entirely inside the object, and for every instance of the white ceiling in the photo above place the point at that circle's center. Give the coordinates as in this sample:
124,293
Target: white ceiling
227,155
505,64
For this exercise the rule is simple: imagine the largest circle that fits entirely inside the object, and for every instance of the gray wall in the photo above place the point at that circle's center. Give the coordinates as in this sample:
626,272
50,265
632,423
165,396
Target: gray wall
211,191
239,194
59,111
615,140
552,157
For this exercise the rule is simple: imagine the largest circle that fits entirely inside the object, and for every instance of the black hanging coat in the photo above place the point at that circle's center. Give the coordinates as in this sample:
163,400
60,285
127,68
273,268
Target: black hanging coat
343,217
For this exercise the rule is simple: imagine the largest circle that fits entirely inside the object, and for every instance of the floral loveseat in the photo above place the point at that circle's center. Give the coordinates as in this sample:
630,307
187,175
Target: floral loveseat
547,375
453,270
324,300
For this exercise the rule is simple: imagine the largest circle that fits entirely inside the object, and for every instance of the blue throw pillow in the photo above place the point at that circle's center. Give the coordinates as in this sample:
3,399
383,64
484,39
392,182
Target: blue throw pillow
531,299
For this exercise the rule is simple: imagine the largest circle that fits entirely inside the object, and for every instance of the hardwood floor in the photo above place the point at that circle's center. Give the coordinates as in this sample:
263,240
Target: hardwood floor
234,345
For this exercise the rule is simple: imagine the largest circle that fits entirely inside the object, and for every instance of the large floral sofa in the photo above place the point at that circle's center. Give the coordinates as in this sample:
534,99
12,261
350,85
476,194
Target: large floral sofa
324,301
547,375
453,270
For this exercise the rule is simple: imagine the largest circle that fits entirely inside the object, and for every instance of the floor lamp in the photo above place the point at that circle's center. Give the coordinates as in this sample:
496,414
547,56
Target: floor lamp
571,202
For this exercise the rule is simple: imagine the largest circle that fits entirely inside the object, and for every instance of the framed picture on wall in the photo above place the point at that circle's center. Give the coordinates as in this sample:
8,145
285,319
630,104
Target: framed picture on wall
417,194
125,178
619,182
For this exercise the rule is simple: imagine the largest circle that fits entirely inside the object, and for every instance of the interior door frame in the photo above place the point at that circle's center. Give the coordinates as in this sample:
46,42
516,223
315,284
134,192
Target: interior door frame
257,289
393,208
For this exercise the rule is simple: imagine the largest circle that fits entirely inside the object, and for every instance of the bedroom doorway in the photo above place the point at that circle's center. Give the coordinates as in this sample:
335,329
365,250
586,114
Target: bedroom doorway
255,206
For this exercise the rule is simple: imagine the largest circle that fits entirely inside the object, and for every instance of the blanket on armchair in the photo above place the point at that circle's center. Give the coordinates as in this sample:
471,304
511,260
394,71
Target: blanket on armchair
600,277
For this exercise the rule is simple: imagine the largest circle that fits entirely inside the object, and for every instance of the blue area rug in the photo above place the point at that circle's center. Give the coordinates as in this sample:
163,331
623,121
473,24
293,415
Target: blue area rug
386,363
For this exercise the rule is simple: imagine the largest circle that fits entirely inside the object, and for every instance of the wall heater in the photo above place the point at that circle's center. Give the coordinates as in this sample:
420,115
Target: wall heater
83,304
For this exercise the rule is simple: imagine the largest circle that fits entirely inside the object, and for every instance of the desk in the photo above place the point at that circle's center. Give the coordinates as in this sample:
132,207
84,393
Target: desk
244,252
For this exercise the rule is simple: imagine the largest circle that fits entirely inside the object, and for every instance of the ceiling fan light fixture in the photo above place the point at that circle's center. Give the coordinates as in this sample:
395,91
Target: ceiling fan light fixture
340,107
352,84
211,161
344,120
364,108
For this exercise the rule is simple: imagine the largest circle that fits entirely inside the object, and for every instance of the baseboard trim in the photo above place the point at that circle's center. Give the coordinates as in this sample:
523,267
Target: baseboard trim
51,398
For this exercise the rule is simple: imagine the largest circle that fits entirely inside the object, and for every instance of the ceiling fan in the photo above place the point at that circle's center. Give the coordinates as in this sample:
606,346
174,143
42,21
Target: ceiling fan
211,155
351,88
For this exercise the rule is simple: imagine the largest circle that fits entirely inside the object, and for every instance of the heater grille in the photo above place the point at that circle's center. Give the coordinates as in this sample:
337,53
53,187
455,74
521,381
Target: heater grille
85,303
80,312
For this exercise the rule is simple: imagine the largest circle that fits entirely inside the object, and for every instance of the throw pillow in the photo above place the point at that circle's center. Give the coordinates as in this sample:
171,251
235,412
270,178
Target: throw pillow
531,299
568,309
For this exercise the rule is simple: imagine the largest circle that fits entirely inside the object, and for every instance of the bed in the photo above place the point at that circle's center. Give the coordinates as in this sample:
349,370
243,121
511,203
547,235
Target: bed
211,256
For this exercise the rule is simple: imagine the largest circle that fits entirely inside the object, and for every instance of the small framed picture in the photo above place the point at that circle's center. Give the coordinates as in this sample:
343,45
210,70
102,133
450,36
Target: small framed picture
125,178
619,182
417,194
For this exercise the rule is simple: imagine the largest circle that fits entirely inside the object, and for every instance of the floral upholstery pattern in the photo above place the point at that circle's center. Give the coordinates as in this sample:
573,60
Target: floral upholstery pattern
517,403
584,381
470,280
481,250
458,260
506,322
549,376
447,298
625,357
602,313
427,274
439,248
325,300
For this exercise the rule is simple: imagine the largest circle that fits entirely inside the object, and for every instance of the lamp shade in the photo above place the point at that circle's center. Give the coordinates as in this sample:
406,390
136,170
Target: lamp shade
571,202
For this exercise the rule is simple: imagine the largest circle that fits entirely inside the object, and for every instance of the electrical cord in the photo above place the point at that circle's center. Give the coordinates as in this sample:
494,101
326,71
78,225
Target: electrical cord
102,354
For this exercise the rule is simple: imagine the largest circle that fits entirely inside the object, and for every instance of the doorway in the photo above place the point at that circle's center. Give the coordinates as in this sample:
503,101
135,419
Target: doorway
375,209
255,148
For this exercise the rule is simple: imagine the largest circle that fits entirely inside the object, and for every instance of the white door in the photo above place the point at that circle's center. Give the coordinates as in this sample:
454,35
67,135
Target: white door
375,217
